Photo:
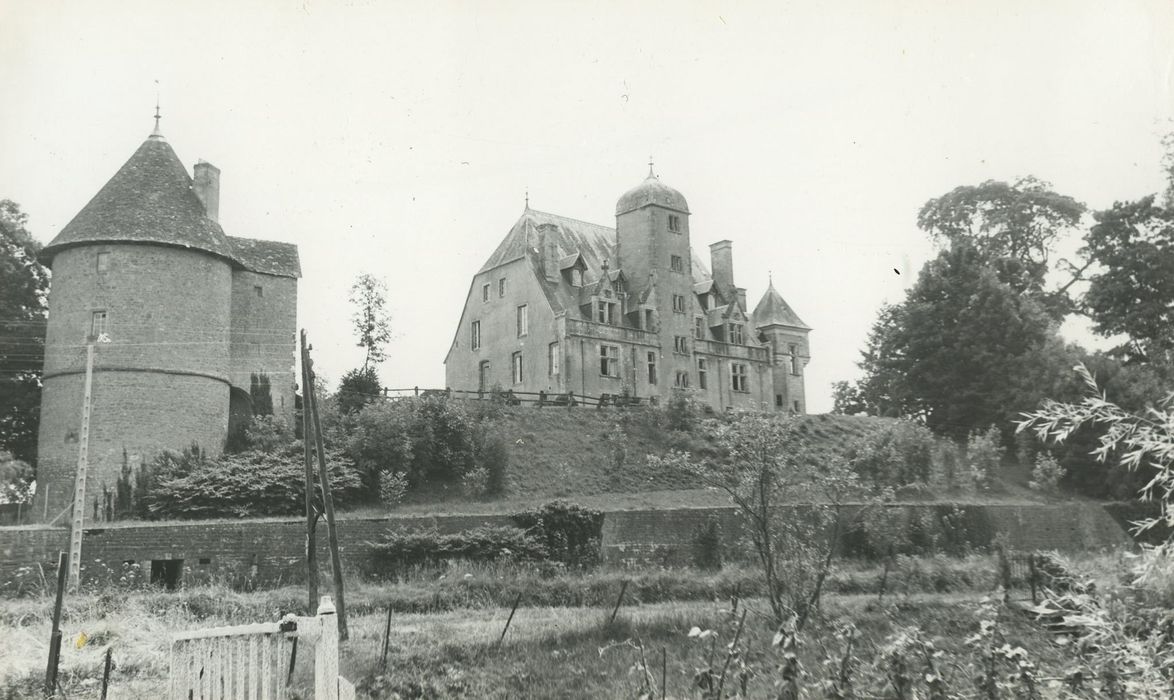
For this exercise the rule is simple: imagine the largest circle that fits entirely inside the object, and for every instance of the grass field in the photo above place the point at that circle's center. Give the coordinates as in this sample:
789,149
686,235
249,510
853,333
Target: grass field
445,628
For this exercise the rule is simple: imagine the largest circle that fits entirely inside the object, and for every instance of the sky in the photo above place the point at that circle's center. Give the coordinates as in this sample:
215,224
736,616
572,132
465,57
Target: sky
400,138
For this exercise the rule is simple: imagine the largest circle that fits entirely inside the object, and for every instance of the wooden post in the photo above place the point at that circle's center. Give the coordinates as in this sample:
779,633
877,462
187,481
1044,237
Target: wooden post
1031,576
619,599
55,636
311,516
1005,573
106,672
386,642
328,502
509,619
664,674
326,653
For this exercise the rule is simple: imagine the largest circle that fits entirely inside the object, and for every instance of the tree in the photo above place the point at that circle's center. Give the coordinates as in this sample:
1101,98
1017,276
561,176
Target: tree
1132,290
1012,227
764,464
357,388
371,319
24,288
963,352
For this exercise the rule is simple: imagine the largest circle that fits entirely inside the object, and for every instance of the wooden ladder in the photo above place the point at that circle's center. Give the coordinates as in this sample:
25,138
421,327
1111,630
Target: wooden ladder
79,485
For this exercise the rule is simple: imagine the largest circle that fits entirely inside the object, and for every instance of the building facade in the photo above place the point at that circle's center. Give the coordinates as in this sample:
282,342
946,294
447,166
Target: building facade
564,306
192,330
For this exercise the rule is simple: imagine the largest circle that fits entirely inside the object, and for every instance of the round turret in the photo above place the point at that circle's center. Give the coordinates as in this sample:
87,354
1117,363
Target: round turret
651,191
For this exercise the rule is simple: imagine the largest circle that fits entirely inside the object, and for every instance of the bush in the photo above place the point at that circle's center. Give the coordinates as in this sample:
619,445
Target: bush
494,457
899,454
1046,474
249,484
681,411
400,550
569,533
707,545
357,388
267,434
428,439
475,482
393,487
984,453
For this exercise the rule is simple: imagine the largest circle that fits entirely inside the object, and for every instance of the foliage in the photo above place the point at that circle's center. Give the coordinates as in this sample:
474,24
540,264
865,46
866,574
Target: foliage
371,319
261,393
681,411
24,287
984,454
569,532
707,545
16,478
493,456
766,464
1131,291
357,388
475,482
900,453
267,433
400,550
1046,474
393,487
1011,226
249,484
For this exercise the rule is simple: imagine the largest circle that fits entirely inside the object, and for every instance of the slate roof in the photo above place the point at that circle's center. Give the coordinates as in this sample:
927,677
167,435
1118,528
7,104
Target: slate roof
773,310
150,199
651,191
592,241
267,257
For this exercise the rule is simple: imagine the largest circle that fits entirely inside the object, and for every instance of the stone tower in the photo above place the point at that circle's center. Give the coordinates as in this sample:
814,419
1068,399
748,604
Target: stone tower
786,334
146,274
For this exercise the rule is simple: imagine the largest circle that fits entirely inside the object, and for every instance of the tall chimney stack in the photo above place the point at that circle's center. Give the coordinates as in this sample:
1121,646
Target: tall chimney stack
207,186
721,259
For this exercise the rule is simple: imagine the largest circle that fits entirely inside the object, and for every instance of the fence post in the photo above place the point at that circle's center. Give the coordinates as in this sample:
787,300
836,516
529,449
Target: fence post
1031,576
326,652
1005,573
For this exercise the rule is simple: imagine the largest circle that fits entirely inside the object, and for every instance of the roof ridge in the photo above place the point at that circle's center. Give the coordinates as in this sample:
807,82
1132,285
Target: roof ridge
571,218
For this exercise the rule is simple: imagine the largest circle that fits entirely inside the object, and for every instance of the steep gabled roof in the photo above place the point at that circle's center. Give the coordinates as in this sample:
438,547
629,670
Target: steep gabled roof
593,242
149,200
267,257
772,310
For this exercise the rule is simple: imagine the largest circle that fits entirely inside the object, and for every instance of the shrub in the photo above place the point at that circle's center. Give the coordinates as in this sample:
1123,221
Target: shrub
681,411
428,439
357,388
984,452
1046,474
493,456
393,487
403,549
901,453
475,482
570,533
249,484
267,433
707,545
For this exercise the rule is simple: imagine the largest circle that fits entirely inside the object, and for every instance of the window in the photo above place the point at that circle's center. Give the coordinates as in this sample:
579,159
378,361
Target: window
648,319
483,376
678,303
699,328
738,377
475,341
674,223
485,292
98,323
701,373
258,290
676,264
778,400
501,287
517,365
103,262
680,344
682,380
523,320
576,277
735,334
652,368
609,360
552,359
605,312
794,350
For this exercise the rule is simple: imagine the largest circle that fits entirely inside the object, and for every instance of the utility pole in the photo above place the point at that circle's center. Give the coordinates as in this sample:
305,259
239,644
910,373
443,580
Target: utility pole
327,498
79,484
311,514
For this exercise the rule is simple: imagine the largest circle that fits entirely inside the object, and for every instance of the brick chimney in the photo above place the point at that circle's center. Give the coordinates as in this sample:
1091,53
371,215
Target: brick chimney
721,259
207,186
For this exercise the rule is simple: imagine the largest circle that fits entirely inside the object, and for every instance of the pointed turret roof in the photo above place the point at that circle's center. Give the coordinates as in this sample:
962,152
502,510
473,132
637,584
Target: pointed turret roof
149,200
773,310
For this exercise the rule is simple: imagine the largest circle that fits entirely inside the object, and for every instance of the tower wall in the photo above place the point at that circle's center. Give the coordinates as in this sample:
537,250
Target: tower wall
162,382
264,320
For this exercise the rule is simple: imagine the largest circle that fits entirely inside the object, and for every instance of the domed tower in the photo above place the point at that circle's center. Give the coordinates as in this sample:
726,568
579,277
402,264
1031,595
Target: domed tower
652,248
143,272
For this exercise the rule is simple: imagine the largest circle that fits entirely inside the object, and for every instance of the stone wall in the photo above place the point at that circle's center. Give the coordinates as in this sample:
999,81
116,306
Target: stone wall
270,551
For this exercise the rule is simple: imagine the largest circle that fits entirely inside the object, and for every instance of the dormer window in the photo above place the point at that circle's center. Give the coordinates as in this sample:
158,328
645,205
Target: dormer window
734,334
576,277
605,312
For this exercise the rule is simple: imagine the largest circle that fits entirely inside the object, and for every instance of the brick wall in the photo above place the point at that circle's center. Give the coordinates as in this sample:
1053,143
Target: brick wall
270,551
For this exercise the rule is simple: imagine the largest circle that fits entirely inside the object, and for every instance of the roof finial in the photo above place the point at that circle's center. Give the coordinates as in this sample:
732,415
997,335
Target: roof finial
156,132
650,173
527,199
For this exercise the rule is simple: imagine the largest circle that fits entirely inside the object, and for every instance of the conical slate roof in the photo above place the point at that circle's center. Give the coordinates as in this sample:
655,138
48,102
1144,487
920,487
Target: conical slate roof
149,200
773,310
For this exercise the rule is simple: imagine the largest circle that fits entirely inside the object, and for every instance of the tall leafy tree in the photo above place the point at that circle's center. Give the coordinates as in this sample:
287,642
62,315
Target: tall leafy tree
1011,226
24,287
1131,291
371,319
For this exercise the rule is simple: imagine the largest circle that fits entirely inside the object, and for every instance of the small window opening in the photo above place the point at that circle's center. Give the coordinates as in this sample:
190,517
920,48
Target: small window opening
258,290
166,572
103,262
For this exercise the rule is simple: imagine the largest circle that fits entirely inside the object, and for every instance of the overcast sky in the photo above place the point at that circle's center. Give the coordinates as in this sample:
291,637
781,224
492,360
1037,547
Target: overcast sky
399,138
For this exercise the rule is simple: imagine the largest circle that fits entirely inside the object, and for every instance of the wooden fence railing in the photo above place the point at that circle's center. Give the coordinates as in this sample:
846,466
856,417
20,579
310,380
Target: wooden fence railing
254,662
517,398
